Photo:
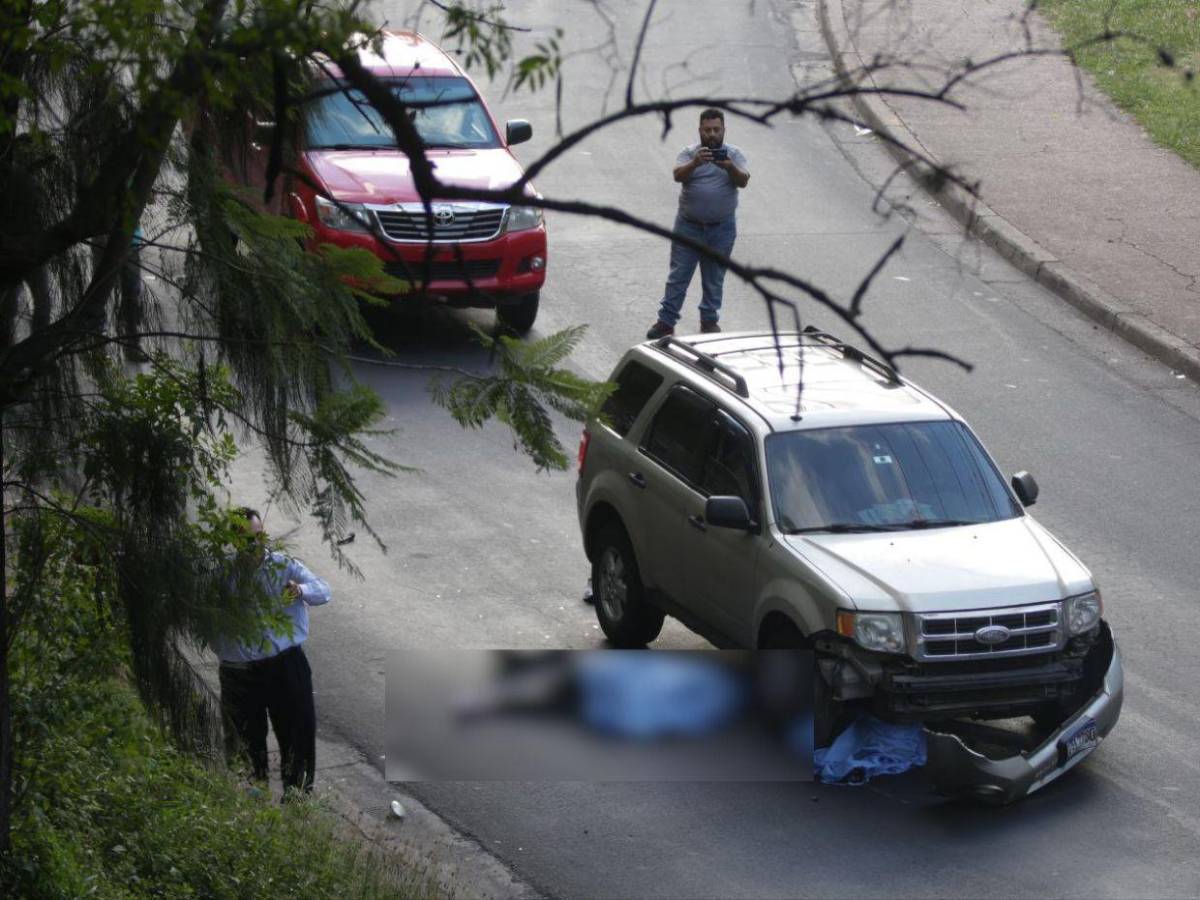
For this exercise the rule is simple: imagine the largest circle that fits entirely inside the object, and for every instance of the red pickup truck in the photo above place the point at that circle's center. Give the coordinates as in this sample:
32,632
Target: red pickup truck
490,255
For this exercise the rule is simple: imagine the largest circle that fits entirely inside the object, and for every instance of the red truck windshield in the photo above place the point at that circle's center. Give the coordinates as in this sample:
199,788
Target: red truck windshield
446,111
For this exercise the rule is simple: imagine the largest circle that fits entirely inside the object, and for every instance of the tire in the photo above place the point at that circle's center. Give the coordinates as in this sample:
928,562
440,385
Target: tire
519,316
626,617
827,714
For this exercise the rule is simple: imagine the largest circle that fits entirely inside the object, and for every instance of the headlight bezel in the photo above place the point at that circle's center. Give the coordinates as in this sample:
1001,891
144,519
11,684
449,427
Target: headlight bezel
523,218
1089,600
351,218
879,632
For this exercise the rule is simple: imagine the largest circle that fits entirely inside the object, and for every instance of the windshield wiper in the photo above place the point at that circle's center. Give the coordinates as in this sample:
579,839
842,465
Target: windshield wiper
937,523
352,147
842,528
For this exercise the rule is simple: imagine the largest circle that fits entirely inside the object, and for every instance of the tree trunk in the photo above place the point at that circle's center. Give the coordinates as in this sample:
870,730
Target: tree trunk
6,733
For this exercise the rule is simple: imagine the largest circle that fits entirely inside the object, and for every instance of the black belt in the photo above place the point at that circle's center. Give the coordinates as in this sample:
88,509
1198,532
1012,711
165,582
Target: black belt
692,221
256,663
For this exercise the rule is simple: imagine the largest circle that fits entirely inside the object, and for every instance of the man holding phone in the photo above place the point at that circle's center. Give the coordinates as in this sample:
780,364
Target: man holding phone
711,172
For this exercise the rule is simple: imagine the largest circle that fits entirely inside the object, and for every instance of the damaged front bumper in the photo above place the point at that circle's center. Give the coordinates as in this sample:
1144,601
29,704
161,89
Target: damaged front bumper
959,770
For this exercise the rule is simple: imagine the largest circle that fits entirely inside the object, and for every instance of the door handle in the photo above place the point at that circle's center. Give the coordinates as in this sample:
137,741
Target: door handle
697,522
638,479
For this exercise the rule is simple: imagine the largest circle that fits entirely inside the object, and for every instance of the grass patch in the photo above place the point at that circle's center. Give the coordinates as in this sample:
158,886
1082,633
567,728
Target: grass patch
107,806
111,809
1130,70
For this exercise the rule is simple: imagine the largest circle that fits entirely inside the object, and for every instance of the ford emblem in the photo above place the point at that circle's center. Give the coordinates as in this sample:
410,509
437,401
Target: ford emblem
992,635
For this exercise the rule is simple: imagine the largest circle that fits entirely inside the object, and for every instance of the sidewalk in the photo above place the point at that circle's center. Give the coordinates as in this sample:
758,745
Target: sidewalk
1073,191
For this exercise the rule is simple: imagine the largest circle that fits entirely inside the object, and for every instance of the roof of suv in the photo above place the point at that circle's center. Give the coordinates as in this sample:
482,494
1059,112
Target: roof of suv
841,385
404,53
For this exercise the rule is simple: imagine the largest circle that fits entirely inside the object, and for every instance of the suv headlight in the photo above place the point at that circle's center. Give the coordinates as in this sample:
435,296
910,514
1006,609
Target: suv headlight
522,218
882,632
346,217
1083,612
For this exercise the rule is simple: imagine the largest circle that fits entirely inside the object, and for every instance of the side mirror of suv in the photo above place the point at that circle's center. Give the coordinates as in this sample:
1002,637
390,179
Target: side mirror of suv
517,131
727,512
1026,488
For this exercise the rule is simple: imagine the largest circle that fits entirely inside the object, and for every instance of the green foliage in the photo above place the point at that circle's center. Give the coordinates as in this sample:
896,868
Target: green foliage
115,811
1151,73
334,428
528,387
537,69
106,807
139,113
484,38
481,35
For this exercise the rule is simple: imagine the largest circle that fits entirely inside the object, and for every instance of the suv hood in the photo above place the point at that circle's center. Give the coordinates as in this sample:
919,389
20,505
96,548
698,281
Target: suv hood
946,569
383,176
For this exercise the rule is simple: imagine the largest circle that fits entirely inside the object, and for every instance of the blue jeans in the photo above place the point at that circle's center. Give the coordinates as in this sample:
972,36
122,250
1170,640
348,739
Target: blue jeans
718,236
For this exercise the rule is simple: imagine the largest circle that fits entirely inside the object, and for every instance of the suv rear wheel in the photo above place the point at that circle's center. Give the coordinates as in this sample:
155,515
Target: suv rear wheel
627,618
520,315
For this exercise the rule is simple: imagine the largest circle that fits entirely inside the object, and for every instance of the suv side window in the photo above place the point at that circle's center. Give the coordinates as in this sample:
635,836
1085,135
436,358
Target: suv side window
681,433
730,470
636,384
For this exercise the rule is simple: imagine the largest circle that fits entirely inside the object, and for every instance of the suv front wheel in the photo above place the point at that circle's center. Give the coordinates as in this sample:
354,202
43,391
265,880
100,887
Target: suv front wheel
627,618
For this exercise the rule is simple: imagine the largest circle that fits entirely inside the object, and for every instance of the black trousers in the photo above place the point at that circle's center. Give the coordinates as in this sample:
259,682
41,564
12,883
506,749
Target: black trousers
280,688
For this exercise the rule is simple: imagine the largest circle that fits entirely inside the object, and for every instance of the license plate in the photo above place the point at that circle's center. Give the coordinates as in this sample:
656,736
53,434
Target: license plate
1082,739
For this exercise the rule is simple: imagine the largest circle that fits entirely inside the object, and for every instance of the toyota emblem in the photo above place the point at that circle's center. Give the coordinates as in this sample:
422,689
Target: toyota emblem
443,215
992,635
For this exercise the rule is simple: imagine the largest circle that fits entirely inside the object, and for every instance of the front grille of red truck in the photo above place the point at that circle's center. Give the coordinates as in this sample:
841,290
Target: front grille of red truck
448,224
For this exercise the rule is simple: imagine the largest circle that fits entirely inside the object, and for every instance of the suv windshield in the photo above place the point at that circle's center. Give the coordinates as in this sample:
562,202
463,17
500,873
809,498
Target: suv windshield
446,112
883,478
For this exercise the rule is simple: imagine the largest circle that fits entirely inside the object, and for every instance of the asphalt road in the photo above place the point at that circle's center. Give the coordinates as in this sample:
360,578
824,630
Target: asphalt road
484,552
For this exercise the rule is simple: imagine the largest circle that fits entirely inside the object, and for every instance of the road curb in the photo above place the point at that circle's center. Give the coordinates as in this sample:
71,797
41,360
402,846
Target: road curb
987,225
442,861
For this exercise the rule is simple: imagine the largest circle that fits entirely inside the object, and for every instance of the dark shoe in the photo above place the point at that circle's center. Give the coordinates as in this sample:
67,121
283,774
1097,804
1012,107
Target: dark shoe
709,327
658,330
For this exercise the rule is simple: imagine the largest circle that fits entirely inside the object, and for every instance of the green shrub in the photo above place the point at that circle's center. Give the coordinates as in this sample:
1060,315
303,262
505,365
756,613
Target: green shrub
110,809
106,806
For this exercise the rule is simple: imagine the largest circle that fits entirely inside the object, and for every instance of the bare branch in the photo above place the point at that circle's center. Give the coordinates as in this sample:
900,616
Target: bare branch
637,52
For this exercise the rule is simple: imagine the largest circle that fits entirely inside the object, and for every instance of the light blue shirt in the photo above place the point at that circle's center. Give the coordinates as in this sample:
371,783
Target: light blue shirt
274,574
709,195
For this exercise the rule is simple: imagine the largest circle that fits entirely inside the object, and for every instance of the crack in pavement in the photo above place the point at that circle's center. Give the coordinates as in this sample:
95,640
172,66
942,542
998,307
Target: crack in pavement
1121,238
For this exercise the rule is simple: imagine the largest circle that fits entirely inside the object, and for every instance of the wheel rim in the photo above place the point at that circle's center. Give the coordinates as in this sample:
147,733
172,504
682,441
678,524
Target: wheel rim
613,590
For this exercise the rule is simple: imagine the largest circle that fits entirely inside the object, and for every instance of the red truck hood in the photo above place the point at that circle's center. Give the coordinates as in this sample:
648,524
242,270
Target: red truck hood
383,176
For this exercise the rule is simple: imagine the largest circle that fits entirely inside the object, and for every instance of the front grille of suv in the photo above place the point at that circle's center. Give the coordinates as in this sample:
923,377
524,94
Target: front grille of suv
951,636
408,223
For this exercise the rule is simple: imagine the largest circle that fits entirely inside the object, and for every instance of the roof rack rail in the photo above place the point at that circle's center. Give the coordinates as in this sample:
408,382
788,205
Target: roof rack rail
704,362
849,351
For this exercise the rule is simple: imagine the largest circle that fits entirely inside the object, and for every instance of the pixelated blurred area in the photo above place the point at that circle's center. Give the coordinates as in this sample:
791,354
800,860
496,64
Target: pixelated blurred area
600,715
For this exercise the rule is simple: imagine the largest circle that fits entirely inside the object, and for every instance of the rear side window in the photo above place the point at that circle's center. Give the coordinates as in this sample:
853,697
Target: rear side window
682,433
636,384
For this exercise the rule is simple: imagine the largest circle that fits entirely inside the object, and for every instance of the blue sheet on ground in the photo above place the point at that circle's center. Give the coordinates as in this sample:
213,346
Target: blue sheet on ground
644,695
871,747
